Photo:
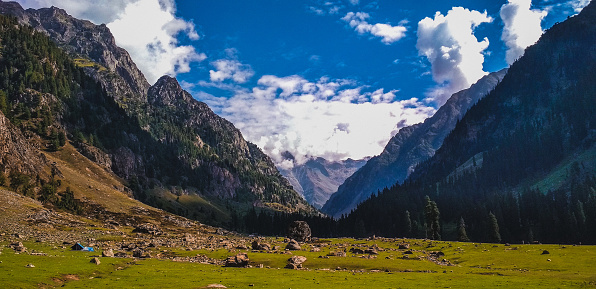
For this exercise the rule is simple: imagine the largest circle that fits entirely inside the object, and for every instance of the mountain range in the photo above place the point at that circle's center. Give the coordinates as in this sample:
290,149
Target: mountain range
317,179
65,81
520,164
409,147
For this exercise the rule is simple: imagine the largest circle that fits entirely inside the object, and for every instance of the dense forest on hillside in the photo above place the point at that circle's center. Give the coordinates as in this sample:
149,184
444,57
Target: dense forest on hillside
52,99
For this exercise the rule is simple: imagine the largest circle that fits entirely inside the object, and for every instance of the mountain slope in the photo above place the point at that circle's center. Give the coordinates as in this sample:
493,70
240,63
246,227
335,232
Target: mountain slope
410,146
530,143
156,137
317,179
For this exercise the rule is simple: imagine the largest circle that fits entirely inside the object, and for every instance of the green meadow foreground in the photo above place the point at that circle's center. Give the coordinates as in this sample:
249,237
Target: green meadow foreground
464,265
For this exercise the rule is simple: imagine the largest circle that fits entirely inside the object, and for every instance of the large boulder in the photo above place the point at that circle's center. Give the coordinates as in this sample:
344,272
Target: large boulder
257,245
295,262
240,260
299,231
293,246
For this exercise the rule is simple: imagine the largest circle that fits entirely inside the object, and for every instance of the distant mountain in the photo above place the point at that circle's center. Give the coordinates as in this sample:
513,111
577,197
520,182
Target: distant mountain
522,158
171,149
318,178
410,146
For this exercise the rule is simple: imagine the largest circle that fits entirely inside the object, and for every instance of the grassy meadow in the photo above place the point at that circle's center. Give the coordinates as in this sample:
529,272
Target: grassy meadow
470,265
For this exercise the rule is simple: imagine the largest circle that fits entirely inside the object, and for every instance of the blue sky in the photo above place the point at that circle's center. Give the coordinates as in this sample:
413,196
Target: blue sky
329,78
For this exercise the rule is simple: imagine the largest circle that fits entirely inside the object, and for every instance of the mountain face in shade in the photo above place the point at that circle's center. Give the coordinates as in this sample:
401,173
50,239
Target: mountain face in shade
410,146
158,138
318,178
524,156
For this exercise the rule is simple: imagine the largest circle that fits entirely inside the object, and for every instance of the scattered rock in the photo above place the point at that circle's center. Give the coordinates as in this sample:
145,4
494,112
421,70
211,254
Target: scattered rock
295,262
371,251
107,253
240,260
18,247
137,253
404,246
293,246
257,245
216,286
356,251
300,231
95,261
409,252
148,228
30,265
545,252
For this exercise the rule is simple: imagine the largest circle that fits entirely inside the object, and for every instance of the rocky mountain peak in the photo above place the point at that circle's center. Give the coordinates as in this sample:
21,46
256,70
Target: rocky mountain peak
83,39
167,91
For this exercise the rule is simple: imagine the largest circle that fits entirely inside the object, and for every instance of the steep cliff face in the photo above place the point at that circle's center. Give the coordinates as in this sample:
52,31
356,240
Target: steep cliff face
317,179
410,146
155,135
17,154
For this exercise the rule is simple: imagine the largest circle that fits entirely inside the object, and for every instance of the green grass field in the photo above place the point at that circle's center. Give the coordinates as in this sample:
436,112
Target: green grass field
472,266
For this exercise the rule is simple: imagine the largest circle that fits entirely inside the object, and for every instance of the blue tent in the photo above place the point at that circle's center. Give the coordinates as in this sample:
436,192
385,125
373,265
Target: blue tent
79,247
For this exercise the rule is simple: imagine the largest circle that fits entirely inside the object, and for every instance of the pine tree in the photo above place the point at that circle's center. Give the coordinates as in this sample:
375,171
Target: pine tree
408,224
462,236
494,235
431,212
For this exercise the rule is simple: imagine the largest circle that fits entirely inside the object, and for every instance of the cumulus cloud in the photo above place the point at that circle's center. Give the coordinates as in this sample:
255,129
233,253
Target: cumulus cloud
388,34
147,29
455,54
522,27
334,119
230,68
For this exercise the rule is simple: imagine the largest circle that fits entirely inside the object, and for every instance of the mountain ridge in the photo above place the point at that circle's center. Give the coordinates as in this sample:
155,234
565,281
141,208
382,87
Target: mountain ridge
410,146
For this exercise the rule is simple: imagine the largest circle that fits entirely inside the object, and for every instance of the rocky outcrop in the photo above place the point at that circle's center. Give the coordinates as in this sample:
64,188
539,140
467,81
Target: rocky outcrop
240,260
16,154
409,147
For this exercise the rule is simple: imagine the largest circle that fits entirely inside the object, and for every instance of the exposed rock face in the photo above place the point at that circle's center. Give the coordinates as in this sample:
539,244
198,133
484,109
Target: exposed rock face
81,37
410,146
16,154
317,179
300,231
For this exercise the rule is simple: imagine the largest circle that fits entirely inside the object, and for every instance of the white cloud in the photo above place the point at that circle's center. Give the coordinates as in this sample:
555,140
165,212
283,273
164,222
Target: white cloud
388,33
522,27
334,119
578,5
455,54
147,29
230,68
354,2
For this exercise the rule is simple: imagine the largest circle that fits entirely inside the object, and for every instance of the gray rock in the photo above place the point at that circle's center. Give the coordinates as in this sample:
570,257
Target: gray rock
299,231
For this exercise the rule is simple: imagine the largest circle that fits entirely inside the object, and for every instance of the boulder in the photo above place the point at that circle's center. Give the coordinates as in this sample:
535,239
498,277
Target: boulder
404,246
356,251
137,253
95,261
240,260
545,252
257,245
371,251
300,231
148,228
295,262
107,253
293,246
